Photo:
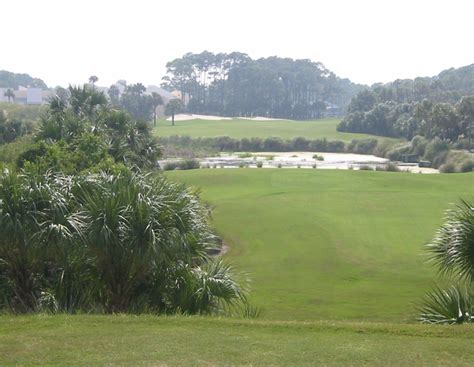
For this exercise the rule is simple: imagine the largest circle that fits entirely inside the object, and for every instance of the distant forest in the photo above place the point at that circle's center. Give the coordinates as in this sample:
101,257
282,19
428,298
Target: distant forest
438,107
236,85
14,80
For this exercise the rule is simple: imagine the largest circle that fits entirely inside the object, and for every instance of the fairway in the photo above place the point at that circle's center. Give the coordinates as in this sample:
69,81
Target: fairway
330,244
196,341
239,128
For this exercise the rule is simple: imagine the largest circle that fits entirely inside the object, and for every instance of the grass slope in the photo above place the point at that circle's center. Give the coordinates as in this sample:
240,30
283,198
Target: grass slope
148,340
322,244
237,128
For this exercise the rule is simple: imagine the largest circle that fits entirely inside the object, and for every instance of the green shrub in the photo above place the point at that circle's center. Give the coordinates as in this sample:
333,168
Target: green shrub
362,146
275,145
453,305
447,168
259,164
392,167
467,166
245,155
365,168
105,243
185,164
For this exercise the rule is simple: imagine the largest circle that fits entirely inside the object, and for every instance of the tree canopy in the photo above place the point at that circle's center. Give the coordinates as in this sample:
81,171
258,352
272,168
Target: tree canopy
235,85
14,80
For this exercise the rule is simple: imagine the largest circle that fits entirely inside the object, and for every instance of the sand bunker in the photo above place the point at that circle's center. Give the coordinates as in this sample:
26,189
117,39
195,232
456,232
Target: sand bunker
187,117
191,116
259,118
304,160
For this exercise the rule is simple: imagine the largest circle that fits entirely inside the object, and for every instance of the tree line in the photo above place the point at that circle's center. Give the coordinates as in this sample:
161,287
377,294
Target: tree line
440,107
233,84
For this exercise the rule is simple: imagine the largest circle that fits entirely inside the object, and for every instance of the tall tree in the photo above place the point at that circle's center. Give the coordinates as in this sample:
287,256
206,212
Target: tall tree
93,79
173,107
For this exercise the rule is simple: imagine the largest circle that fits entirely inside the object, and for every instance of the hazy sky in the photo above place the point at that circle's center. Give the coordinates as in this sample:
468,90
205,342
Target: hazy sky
66,41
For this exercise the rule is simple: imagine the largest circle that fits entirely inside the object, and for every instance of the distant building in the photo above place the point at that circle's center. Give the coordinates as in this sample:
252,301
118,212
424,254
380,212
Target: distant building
29,96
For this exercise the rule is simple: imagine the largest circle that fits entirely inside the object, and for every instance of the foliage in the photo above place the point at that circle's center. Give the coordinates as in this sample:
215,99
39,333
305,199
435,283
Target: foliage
173,107
452,252
235,85
79,131
228,144
13,80
452,248
104,243
182,164
453,305
440,107
447,168
11,129
138,104
10,152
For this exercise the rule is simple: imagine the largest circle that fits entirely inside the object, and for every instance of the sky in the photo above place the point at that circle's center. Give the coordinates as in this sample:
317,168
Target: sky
367,41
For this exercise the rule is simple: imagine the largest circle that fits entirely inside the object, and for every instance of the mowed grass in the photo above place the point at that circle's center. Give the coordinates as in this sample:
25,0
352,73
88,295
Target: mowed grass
195,341
339,249
330,244
240,128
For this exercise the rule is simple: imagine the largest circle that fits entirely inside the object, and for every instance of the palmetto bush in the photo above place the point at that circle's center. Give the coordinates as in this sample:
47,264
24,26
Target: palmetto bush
453,305
452,252
452,248
104,243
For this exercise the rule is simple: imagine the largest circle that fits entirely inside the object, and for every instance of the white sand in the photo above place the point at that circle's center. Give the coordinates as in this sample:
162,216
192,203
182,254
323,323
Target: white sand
259,118
186,117
306,160
190,116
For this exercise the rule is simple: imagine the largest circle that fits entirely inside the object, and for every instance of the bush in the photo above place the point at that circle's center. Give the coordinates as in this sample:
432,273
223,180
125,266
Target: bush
447,168
467,166
365,168
335,146
300,144
105,243
275,145
389,167
182,165
245,155
453,305
251,145
259,164
362,146
392,167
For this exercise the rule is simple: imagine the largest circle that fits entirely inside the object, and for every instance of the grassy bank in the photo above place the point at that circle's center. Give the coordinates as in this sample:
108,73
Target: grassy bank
148,340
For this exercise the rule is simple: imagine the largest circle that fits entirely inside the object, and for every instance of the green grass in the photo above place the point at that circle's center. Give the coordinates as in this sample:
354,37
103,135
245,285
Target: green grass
322,244
148,340
238,128
339,249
